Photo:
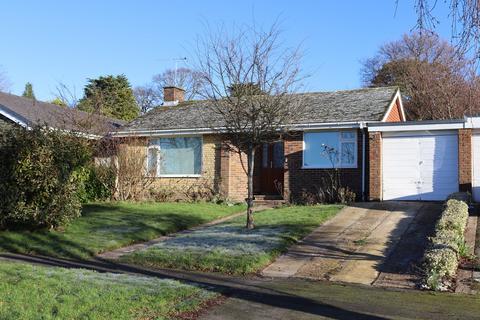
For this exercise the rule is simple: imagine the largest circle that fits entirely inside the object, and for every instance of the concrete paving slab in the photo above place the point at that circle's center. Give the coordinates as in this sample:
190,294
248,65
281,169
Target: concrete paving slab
353,246
317,244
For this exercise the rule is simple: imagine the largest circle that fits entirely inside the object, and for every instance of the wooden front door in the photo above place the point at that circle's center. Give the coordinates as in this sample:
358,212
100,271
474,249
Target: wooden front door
272,171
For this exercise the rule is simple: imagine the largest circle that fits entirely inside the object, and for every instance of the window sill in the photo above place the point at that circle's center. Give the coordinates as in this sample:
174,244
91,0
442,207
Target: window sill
179,176
329,168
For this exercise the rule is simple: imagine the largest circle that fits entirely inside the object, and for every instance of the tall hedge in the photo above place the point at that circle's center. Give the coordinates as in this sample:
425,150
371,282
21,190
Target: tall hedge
38,186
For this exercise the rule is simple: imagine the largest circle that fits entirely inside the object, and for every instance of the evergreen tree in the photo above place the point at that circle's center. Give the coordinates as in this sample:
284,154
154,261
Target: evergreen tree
111,96
28,92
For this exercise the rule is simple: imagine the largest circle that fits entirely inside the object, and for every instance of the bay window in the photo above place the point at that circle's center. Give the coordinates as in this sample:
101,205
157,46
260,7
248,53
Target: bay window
174,157
330,149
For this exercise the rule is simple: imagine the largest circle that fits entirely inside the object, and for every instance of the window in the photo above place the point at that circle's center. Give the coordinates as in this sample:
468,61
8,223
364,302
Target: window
179,156
330,149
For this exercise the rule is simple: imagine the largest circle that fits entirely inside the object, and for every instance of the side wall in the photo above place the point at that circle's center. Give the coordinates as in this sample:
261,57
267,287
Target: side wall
465,169
299,181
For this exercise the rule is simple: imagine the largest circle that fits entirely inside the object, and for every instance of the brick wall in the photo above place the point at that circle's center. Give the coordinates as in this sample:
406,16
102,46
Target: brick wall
375,166
298,180
465,159
395,115
237,187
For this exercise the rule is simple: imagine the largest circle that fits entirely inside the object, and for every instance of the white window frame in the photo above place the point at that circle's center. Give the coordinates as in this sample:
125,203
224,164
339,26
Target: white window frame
158,174
341,140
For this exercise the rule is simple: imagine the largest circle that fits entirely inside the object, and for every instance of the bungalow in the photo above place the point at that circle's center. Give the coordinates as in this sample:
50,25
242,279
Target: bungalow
24,112
181,149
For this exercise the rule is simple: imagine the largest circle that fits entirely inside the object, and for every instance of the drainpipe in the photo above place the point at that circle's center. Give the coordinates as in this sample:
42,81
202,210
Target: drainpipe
362,127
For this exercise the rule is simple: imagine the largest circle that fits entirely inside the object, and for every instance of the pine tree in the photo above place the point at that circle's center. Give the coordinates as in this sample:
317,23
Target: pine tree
111,96
28,92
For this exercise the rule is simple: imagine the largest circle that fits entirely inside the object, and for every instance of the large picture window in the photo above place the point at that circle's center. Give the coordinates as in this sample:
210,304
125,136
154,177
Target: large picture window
330,149
177,156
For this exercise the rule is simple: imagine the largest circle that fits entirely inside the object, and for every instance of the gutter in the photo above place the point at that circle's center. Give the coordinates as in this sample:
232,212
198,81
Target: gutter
191,131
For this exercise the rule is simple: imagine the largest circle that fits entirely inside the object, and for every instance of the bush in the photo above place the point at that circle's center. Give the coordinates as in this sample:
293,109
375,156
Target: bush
454,217
343,195
96,182
37,183
448,244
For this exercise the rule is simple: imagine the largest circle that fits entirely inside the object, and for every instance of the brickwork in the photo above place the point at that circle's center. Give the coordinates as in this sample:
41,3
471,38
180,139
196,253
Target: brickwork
298,180
173,94
238,179
465,159
375,166
395,114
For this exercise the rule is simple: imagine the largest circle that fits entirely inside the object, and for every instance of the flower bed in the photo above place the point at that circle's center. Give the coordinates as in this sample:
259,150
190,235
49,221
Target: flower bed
448,244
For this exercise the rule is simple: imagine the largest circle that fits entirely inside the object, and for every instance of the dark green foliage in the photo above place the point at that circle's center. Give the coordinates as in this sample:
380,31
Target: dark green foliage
28,92
95,182
37,184
111,96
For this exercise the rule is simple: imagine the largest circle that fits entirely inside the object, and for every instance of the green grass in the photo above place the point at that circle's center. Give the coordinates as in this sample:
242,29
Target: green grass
107,226
33,292
230,248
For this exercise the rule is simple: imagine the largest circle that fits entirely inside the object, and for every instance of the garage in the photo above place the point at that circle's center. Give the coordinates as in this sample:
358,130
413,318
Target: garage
419,165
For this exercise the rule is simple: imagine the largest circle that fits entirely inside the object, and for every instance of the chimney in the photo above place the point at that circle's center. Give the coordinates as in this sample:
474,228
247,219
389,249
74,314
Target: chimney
172,96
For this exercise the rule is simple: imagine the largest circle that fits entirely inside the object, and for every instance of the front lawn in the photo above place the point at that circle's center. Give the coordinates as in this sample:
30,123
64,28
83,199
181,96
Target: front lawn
33,292
230,248
107,226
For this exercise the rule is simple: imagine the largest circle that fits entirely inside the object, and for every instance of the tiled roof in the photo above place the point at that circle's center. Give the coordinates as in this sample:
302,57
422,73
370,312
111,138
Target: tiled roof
32,112
369,104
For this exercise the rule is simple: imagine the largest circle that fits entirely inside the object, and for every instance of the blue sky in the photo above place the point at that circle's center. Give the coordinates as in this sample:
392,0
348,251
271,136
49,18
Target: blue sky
47,42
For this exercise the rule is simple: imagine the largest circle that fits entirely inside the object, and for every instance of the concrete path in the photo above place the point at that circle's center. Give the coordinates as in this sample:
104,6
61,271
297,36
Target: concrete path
354,245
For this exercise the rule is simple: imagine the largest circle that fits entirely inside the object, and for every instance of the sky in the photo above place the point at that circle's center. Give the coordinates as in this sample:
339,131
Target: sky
51,42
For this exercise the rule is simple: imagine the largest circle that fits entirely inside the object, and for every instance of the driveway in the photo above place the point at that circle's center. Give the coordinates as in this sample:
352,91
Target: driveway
376,243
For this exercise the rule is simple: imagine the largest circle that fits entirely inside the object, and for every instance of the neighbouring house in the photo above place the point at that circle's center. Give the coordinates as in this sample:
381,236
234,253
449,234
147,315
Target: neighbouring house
21,111
181,149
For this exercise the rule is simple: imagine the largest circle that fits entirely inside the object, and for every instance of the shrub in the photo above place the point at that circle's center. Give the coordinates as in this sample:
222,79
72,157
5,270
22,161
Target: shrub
37,183
442,261
324,194
97,182
448,244
454,217
163,193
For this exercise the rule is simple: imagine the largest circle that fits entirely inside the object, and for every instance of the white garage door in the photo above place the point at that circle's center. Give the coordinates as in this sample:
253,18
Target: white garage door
476,166
419,166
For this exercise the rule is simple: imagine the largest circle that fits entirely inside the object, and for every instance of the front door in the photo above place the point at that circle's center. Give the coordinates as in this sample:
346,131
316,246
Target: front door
271,173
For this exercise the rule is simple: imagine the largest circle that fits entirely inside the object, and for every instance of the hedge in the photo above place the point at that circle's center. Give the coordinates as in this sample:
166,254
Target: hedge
38,186
443,255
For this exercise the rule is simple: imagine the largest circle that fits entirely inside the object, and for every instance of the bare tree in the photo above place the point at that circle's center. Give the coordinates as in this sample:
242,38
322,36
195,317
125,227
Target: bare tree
4,82
189,80
465,22
67,95
148,97
249,82
438,83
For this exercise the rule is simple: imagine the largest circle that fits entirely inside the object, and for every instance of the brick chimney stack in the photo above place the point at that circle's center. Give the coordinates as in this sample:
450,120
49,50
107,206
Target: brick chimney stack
172,96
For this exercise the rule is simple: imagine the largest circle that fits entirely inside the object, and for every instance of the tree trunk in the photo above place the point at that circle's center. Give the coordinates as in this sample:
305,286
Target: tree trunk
250,160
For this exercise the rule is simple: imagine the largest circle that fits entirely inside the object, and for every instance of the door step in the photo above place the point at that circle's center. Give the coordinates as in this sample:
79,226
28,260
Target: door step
269,200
